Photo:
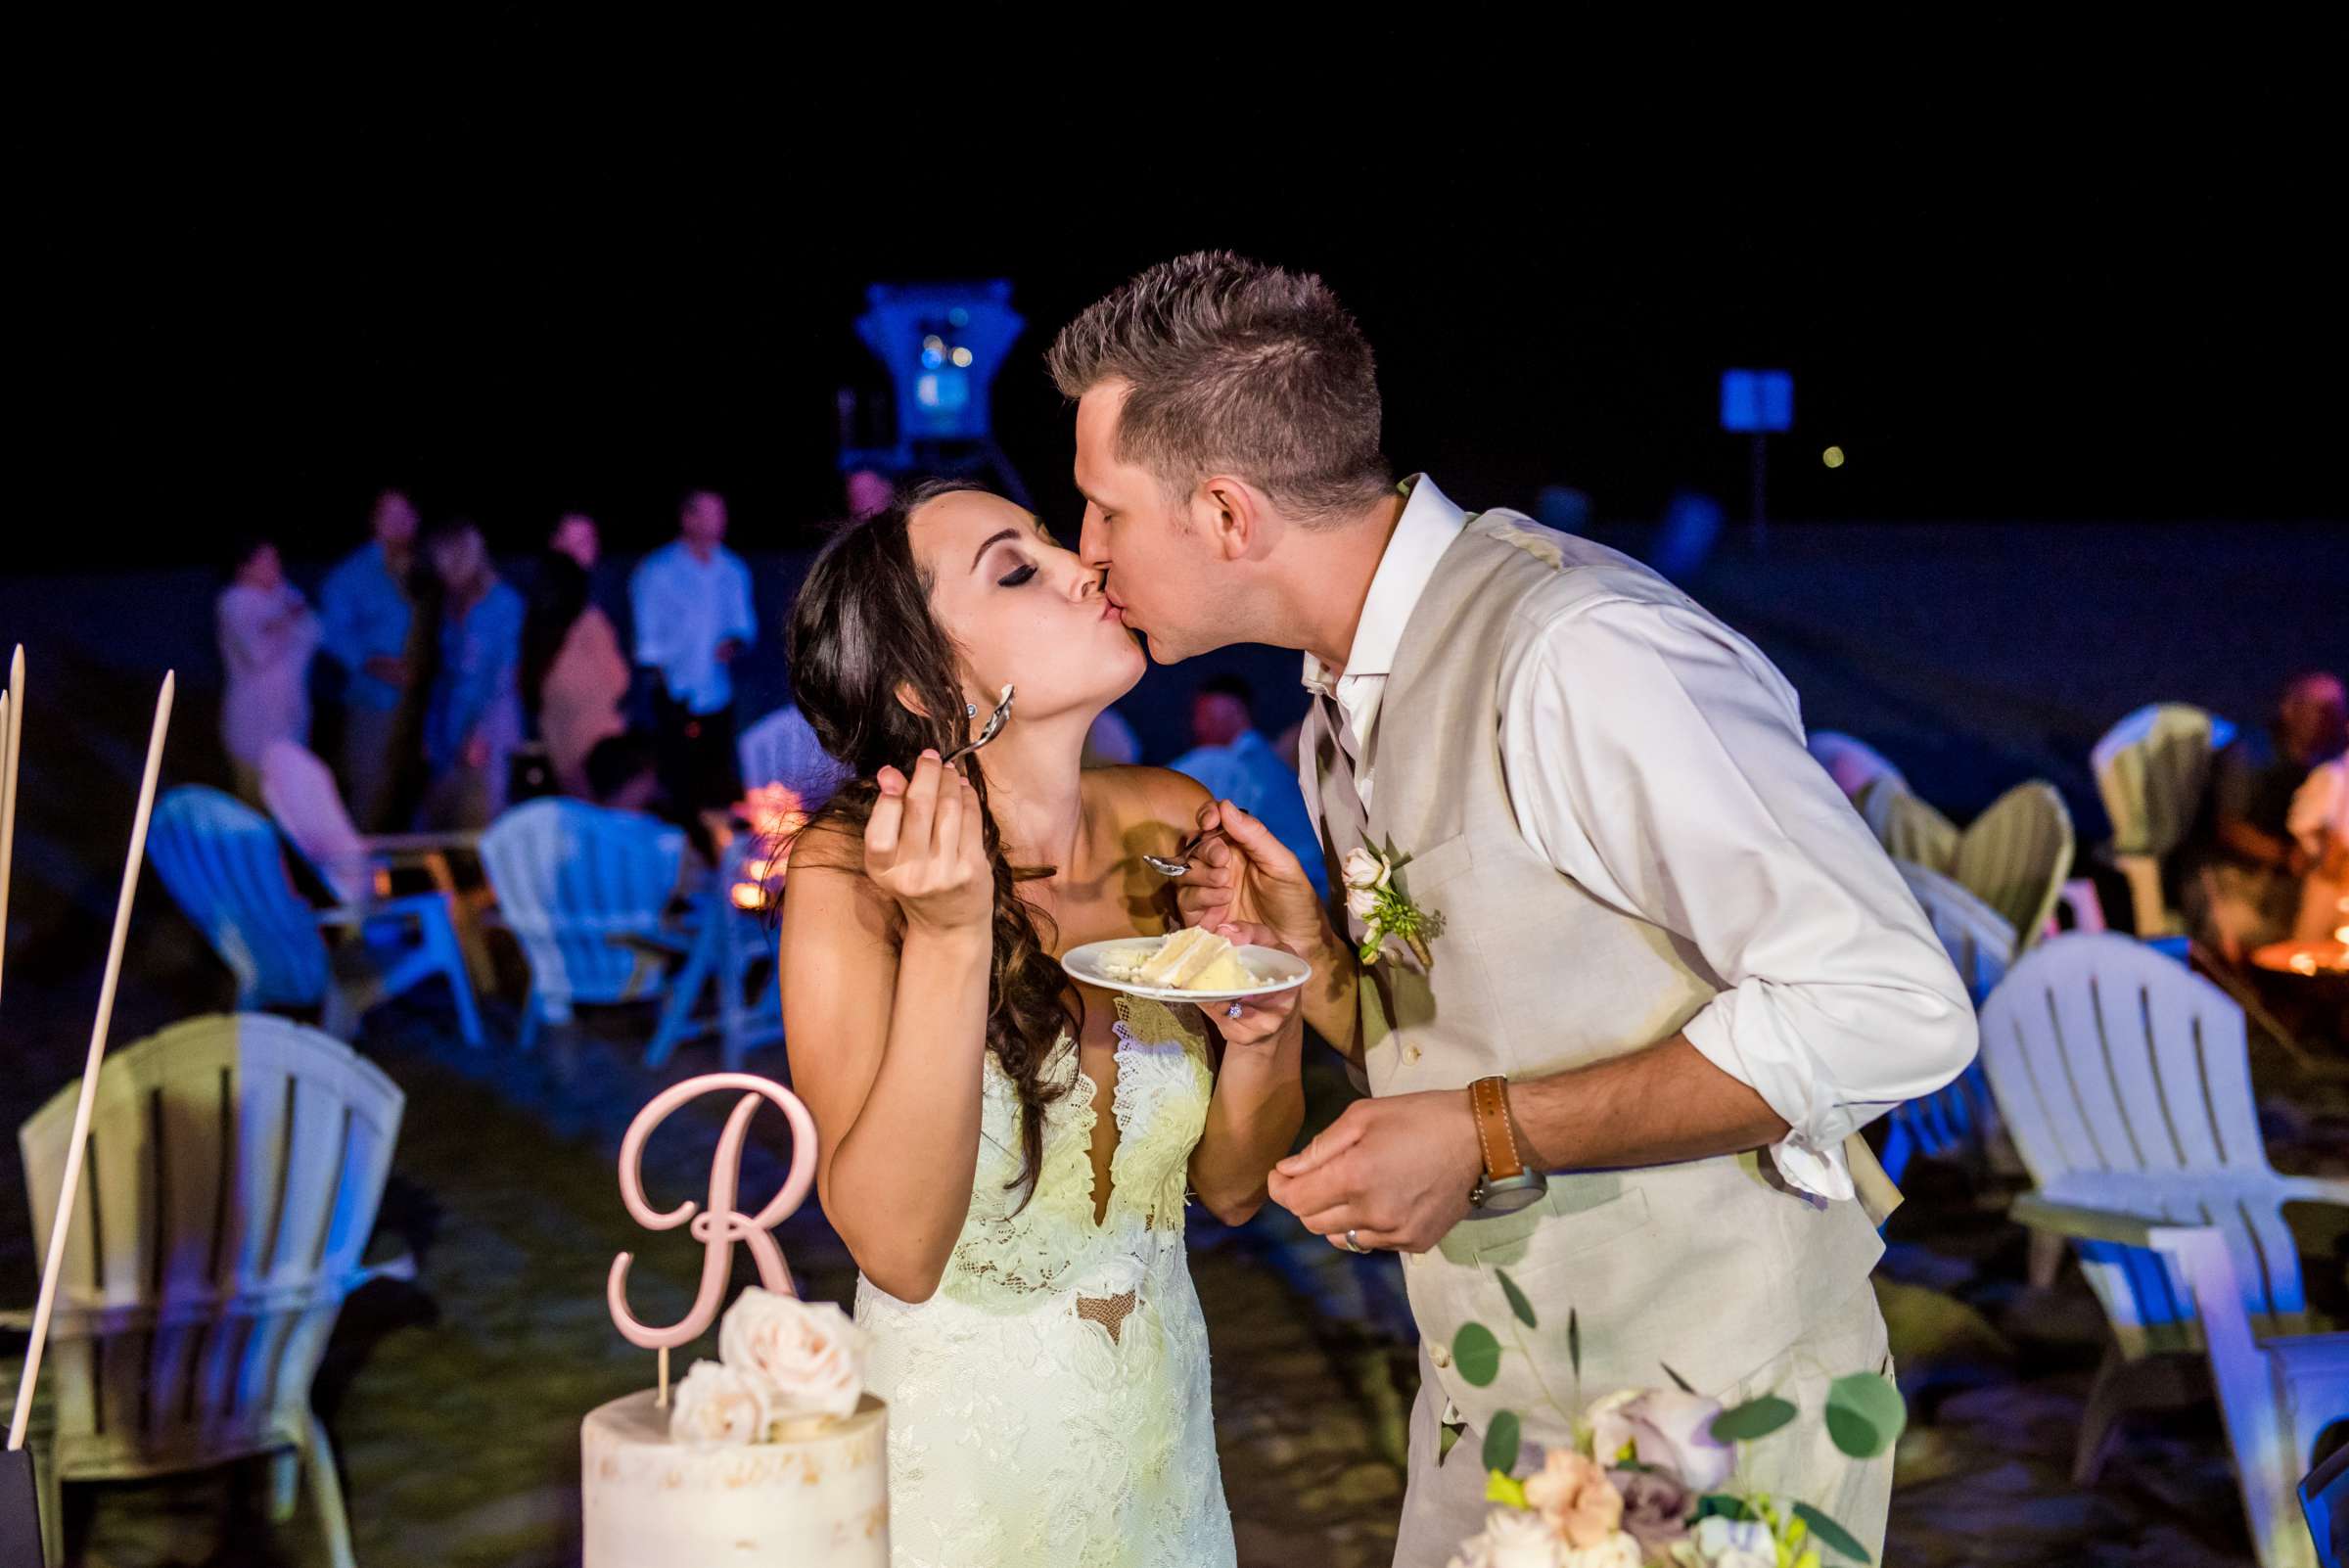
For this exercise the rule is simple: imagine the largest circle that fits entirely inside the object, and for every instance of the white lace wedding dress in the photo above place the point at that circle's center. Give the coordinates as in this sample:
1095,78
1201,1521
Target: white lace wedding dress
1048,1405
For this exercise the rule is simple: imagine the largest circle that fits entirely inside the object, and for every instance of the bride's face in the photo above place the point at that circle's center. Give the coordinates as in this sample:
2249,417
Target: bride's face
1024,611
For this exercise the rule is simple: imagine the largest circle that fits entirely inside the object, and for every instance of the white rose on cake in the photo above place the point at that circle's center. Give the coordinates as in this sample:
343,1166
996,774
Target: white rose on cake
810,1357
719,1405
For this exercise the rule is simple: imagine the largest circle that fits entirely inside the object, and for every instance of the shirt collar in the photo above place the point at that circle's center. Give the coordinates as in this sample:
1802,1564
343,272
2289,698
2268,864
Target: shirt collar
1430,522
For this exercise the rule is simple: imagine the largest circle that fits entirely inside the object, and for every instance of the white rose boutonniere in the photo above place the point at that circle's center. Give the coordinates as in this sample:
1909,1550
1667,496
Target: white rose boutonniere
716,1403
810,1356
1383,909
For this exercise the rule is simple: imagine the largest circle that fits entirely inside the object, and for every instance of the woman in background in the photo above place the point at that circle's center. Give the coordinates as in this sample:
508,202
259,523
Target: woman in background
267,634
574,676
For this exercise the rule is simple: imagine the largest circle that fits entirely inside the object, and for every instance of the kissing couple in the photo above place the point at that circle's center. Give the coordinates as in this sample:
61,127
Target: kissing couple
1620,970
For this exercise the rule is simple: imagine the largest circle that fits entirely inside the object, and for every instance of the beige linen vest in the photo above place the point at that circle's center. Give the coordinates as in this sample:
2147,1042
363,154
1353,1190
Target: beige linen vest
1710,1268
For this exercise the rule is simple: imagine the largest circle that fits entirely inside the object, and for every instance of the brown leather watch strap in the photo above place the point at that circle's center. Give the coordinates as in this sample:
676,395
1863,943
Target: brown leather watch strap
1488,1098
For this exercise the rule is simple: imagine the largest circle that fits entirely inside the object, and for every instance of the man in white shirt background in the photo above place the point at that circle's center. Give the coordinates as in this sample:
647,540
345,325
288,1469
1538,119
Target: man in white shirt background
1236,763
1676,973
691,603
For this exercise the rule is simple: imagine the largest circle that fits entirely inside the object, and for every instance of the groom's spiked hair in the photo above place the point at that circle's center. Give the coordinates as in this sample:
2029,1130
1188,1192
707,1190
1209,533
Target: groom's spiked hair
1239,366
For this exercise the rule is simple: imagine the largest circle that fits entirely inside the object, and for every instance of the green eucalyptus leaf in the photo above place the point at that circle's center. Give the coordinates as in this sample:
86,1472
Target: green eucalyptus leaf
1501,1443
1831,1533
1864,1414
1756,1419
1477,1354
1517,1303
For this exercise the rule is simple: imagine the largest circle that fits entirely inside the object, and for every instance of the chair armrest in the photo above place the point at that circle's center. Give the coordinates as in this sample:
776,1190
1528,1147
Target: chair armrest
344,914
17,1321
401,1267
420,846
2317,1190
2082,1223
660,944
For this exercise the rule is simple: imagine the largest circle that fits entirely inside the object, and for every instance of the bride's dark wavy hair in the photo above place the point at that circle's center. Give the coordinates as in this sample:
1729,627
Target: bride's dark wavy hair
861,630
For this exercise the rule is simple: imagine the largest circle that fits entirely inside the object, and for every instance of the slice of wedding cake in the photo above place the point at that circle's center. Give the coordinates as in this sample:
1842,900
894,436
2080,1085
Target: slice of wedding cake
1194,959
771,1454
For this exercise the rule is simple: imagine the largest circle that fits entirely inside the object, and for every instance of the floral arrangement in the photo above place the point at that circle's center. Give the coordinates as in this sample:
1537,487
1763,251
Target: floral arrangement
785,1367
1650,1478
1386,912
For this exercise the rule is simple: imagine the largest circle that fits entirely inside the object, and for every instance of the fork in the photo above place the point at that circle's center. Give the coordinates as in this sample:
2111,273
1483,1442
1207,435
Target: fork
994,728
1183,862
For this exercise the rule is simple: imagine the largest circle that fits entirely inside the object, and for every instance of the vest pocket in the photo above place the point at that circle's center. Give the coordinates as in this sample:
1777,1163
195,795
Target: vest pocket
1430,868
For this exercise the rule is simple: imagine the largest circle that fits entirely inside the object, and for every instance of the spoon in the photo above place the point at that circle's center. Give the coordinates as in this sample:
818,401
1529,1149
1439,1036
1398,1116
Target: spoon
994,726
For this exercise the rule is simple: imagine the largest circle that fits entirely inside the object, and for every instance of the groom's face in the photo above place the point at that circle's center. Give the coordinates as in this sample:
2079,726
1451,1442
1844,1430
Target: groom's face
1156,564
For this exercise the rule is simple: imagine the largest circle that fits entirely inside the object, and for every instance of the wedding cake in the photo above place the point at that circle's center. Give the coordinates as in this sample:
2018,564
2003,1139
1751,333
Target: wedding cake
745,1467
1193,959
771,1454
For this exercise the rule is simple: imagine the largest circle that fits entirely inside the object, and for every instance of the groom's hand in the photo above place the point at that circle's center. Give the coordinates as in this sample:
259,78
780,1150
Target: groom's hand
1395,1171
1244,873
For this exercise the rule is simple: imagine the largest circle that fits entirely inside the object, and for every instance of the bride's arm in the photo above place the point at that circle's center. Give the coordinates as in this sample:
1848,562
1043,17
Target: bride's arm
884,963
1259,1103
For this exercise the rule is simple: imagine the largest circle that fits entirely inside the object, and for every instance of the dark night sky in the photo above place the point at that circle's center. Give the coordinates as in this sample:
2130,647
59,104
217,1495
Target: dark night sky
517,291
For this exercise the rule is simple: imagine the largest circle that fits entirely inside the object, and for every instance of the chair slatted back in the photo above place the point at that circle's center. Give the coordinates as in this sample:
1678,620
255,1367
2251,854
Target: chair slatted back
226,870
2152,768
1961,1115
235,1165
2015,855
2126,1083
572,877
1908,829
782,749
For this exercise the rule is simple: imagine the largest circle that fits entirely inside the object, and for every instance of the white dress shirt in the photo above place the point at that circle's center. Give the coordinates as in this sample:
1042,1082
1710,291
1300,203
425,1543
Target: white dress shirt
1657,758
685,606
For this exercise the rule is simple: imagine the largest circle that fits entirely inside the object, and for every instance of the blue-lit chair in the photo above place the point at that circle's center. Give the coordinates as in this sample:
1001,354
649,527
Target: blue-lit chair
585,893
225,868
2126,1084
1960,1117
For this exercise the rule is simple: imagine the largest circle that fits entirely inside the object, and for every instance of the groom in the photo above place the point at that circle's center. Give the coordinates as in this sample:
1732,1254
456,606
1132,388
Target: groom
1667,972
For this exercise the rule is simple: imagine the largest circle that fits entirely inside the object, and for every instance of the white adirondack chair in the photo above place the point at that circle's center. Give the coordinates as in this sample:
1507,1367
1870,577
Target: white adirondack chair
782,749
226,869
1981,945
2015,856
2152,768
1850,762
1908,829
2124,1078
235,1165
585,891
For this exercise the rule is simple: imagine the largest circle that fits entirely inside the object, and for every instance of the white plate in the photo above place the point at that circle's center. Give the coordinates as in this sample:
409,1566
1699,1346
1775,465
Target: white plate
1283,971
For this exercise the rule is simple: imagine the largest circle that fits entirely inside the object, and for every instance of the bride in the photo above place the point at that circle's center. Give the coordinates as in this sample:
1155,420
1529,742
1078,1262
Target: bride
1005,1153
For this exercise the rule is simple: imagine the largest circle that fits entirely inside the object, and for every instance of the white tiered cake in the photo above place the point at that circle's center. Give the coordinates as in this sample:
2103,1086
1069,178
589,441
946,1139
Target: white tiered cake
654,1502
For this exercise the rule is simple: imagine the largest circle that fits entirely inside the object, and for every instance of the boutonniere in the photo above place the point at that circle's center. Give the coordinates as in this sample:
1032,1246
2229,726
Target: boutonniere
1385,910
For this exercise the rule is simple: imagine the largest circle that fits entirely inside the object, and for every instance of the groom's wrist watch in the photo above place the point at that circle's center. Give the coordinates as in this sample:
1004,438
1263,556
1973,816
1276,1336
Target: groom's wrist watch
1507,1185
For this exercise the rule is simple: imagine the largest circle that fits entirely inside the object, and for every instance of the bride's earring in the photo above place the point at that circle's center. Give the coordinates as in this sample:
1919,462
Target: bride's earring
969,709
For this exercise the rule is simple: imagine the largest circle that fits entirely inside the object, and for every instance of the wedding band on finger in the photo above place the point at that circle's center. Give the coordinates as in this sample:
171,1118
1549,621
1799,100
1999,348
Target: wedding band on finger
1354,1243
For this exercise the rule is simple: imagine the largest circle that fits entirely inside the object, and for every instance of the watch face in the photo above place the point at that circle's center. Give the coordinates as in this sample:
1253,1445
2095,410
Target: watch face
1517,1194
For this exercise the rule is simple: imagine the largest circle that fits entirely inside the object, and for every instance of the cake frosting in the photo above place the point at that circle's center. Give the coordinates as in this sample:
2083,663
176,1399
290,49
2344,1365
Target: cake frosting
816,1493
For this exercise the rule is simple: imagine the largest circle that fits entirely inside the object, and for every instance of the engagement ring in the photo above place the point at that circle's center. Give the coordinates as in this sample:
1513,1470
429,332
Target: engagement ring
1234,1011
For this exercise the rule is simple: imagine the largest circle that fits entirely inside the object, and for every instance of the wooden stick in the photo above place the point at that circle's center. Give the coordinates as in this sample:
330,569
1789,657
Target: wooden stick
11,739
660,1399
64,1222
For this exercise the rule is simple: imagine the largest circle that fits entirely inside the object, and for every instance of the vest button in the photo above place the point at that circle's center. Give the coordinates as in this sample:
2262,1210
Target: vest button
1411,1053
1440,1354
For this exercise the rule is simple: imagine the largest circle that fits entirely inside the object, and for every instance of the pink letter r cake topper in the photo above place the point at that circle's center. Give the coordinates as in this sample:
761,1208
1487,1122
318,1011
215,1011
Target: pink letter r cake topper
721,1224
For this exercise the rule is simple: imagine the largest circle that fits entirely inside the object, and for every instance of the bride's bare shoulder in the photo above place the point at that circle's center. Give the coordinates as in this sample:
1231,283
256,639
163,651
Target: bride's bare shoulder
1134,799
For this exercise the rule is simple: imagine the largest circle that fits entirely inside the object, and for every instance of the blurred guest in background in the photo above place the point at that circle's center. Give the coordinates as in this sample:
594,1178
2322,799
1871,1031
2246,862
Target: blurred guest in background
576,536
624,773
366,610
268,636
474,718
2320,826
574,676
1111,742
691,601
2243,869
1236,763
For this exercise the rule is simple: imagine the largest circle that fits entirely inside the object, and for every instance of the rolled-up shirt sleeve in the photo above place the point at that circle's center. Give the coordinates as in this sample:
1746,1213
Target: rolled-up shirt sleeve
1657,758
